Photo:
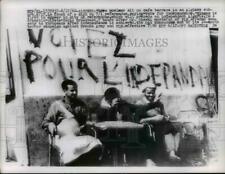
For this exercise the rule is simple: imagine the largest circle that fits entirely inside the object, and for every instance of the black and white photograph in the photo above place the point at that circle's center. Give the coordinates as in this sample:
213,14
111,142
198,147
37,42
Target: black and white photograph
117,86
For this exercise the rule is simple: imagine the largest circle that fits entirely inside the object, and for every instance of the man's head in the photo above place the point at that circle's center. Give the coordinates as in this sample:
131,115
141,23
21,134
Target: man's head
70,88
149,93
111,94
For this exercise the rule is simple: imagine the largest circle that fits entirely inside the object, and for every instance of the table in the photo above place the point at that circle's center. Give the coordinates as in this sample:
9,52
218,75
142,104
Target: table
120,125
117,125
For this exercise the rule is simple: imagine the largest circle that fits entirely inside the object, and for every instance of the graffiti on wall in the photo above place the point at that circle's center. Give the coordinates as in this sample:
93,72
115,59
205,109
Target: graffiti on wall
158,74
207,104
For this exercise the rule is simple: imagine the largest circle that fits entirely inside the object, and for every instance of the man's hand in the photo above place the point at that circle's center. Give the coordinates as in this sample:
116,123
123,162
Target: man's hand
90,123
166,118
143,121
158,97
115,101
79,109
52,128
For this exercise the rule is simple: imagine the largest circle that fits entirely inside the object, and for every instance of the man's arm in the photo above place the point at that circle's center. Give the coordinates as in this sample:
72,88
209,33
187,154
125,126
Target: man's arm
156,118
101,114
163,112
81,113
106,114
143,115
48,123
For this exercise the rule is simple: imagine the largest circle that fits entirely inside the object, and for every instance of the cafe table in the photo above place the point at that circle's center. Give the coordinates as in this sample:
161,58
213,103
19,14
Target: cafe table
116,126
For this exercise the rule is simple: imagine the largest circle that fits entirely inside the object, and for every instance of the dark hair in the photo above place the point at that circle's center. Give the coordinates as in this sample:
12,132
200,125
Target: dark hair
111,93
67,82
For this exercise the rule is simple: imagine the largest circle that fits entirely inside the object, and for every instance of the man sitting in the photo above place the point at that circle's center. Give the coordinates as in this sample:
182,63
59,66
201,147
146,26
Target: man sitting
152,112
113,108
65,118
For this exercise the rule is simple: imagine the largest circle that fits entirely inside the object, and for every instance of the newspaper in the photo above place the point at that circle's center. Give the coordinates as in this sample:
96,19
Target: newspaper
134,49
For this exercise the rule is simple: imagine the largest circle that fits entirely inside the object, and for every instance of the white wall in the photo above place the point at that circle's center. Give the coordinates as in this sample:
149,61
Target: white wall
188,47
12,118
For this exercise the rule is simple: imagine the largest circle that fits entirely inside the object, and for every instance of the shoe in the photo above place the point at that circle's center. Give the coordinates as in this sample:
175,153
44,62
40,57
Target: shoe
173,156
149,162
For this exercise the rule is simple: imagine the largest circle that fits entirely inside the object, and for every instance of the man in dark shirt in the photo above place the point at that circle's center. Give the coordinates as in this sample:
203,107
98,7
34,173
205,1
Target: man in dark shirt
113,108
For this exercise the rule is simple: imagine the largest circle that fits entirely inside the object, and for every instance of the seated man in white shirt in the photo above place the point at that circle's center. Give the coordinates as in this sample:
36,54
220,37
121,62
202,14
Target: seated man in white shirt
65,118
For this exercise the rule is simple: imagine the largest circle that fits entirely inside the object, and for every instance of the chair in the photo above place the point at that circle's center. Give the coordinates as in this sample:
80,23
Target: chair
150,131
195,133
54,156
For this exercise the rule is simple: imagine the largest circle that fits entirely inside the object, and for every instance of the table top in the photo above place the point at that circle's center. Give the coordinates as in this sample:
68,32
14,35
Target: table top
118,125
